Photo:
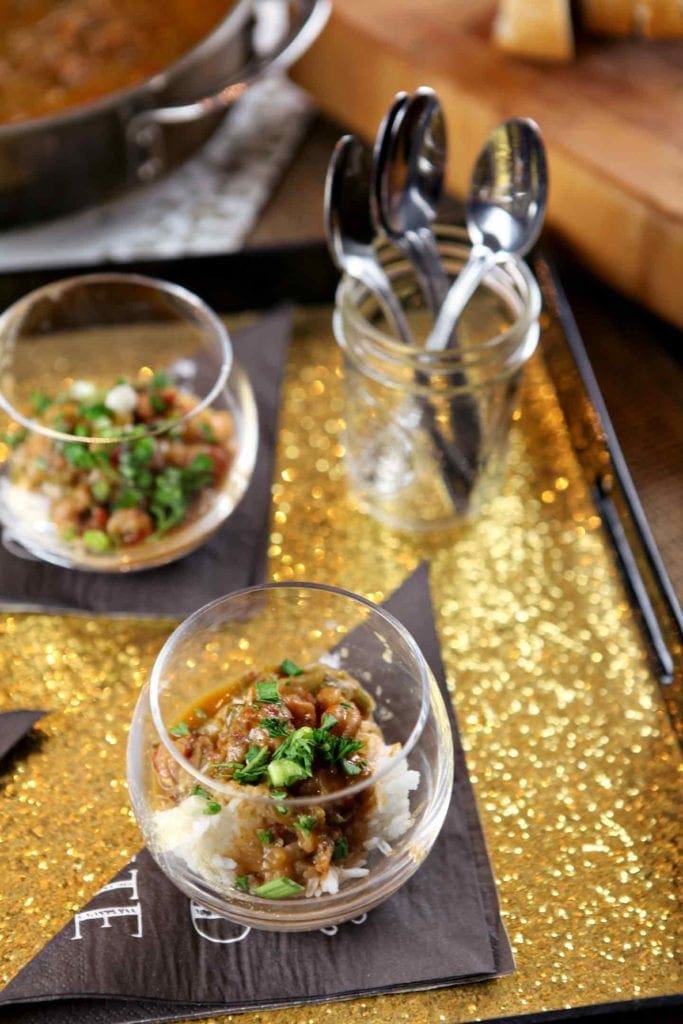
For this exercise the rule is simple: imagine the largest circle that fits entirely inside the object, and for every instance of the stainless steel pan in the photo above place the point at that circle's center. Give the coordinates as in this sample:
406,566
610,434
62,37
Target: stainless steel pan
53,165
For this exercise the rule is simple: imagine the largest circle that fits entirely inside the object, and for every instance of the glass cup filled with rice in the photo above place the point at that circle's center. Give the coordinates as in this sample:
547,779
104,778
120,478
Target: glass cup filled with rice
129,432
290,762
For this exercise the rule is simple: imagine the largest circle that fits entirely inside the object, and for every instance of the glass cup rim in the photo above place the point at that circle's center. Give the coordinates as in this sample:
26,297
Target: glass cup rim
226,788
208,320
398,350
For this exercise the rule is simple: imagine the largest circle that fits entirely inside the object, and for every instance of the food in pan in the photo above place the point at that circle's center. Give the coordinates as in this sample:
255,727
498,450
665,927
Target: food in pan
154,465
306,732
59,54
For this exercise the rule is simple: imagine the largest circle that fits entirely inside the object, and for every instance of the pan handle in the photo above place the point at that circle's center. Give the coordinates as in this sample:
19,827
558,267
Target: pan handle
276,46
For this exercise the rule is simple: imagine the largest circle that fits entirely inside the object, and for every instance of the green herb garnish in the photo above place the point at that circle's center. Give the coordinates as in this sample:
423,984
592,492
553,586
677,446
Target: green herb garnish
290,668
242,883
101,490
275,727
265,836
160,380
207,433
328,721
200,791
299,746
266,692
278,889
96,541
351,767
286,772
306,823
181,729
254,767
14,438
213,807
78,455
40,402
279,794
341,848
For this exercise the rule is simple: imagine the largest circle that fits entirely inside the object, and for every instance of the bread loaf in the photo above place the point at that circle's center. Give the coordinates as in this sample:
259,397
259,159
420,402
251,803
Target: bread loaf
542,31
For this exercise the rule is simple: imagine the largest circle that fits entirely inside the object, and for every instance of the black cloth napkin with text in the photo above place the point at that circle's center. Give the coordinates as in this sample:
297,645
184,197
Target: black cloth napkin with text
233,558
142,951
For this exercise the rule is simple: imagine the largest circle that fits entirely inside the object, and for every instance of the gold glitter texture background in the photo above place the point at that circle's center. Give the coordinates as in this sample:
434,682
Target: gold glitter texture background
569,745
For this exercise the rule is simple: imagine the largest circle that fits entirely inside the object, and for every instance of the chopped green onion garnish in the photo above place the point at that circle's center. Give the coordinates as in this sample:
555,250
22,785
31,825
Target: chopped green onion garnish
290,668
181,729
328,721
351,768
200,791
97,541
254,768
286,772
213,807
242,883
306,823
266,692
278,889
265,836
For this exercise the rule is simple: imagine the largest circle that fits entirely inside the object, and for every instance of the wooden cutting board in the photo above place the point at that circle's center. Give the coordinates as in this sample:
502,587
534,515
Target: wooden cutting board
612,121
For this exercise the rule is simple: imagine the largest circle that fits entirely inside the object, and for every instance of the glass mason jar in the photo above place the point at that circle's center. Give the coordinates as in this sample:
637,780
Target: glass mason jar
217,835
427,432
131,432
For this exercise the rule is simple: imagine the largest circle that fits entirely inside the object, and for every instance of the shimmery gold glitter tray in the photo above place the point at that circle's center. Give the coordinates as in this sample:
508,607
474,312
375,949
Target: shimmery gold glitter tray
555,670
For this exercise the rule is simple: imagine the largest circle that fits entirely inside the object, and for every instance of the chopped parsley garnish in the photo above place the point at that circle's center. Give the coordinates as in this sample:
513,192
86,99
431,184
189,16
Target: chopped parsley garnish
299,746
254,767
212,806
306,823
181,729
279,794
328,721
341,848
40,402
278,889
160,379
352,767
275,727
14,439
242,883
265,836
290,668
78,455
266,692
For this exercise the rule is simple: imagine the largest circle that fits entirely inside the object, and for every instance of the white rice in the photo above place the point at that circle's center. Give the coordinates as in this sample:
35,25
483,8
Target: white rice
204,841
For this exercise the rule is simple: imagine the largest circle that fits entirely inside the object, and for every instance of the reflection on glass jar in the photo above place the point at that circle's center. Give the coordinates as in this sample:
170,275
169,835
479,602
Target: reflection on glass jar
132,434
427,432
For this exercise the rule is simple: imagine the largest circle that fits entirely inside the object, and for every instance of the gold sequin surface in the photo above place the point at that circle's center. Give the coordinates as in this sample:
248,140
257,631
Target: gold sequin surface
569,745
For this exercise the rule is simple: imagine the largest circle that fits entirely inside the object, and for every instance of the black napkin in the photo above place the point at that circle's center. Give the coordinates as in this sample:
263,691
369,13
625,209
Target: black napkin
126,964
14,725
233,558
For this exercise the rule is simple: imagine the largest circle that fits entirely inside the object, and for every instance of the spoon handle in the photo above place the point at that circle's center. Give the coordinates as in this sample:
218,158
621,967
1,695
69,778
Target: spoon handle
373,277
478,264
421,249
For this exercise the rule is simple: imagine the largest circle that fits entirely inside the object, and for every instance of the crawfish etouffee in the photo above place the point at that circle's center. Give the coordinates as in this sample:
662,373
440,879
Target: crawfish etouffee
160,464
288,732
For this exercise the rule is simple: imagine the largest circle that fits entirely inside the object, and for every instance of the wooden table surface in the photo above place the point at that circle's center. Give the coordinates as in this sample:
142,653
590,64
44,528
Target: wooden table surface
636,356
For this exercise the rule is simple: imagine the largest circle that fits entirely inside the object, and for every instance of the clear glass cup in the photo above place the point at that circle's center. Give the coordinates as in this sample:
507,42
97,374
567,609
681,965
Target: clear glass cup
427,432
85,336
409,791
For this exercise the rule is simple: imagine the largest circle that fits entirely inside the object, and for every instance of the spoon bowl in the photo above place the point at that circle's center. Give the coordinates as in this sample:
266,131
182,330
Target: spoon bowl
504,211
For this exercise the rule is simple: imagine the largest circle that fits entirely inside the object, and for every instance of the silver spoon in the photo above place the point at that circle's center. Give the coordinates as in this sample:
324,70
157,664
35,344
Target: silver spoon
350,229
409,185
504,211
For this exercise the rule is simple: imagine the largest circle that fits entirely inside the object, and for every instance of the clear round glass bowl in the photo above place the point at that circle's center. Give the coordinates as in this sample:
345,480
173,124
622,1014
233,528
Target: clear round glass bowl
409,791
86,335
